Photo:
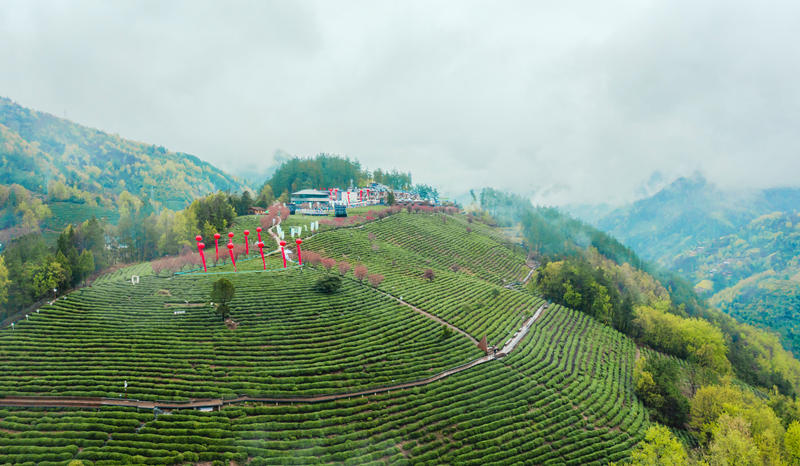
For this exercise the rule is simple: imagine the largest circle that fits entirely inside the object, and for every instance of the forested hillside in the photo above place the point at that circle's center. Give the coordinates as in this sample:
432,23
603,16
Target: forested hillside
738,248
589,270
56,160
752,274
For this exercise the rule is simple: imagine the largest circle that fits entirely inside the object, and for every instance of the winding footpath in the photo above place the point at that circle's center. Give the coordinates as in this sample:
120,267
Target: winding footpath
431,316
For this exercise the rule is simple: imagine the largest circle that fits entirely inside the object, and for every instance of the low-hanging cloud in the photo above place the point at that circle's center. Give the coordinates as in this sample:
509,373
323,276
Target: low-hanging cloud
573,102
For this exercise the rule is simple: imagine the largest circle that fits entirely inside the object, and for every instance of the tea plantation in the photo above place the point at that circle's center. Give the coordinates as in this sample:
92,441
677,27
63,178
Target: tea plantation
564,395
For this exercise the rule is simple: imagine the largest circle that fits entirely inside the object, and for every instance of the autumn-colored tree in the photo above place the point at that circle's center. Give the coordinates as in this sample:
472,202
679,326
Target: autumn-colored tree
375,279
311,257
428,275
328,263
360,272
344,267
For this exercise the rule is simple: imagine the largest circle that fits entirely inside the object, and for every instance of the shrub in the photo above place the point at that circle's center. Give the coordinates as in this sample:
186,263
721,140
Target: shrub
447,332
222,293
328,284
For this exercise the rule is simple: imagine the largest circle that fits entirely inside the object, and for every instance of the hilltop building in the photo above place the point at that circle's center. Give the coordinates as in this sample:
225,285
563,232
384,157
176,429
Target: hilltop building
311,198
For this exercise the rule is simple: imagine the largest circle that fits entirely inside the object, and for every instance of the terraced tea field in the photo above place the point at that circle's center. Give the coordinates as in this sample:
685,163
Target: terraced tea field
563,395
289,340
538,406
401,247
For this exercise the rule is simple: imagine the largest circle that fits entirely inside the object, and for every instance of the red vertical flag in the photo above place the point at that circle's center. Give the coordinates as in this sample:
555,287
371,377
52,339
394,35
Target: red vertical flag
298,241
200,247
233,260
261,249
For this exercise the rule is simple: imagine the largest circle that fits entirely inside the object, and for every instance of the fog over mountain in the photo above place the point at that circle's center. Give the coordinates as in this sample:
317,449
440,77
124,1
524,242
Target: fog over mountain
573,103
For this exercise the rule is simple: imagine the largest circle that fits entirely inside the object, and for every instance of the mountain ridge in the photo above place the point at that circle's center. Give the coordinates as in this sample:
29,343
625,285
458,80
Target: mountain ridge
39,149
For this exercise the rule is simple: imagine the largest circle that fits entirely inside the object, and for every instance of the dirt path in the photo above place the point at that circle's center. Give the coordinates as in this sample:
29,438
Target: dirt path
430,316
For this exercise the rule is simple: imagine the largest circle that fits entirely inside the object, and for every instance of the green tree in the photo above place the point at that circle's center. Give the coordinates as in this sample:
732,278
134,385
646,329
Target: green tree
284,197
322,171
48,275
390,200
659,447
572,298
3,282
328,284
714,405
791,441
244,203
222,293
93,239
266,196
732,443
656,383
85,264
67,267
214,209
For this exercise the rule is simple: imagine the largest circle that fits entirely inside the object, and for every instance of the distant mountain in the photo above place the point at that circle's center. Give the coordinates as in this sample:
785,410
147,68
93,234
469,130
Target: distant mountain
688,212
752,274
44,153
255,178
740,248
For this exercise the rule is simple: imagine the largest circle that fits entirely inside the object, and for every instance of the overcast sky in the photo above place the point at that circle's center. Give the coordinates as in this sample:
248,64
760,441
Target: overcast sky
563,101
